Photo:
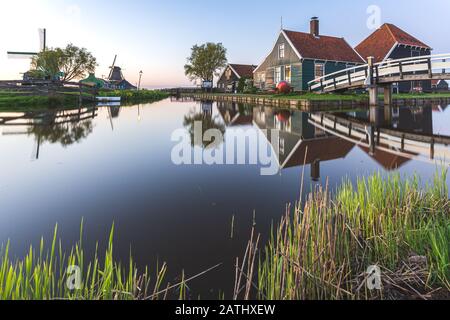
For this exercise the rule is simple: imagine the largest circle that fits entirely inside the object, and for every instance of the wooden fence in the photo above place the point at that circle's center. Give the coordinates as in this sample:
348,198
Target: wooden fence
50,88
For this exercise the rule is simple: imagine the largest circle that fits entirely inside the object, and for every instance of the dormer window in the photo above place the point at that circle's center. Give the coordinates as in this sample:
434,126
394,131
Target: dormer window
281,51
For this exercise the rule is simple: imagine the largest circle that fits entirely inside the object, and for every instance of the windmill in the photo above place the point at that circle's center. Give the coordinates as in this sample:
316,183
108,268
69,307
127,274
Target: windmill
29,55
112,67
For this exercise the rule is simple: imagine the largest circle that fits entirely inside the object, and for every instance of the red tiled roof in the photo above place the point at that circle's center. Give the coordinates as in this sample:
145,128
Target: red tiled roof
379,43
323,47
243,70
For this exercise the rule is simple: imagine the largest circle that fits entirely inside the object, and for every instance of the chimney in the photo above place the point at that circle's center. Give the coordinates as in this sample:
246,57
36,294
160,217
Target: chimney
315,26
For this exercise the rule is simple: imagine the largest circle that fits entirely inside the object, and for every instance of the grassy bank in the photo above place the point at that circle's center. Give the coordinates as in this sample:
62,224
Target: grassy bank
337,97
323,250
23,100
134,96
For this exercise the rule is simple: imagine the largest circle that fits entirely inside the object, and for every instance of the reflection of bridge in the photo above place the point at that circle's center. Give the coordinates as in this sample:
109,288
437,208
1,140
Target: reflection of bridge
46,117
54,125
384,74
375,139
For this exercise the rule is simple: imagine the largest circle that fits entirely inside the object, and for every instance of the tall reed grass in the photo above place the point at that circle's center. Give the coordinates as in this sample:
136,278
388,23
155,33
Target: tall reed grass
47,274
323,249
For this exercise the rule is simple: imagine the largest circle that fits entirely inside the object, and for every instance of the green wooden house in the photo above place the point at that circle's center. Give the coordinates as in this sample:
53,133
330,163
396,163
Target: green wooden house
299,58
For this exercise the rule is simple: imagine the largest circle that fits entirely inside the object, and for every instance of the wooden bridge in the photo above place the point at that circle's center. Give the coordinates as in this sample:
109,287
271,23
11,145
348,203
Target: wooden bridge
384,74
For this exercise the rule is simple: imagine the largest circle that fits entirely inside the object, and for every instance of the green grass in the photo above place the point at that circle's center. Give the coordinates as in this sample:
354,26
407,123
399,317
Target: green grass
44,273
323,249
134,96
336,96
22,100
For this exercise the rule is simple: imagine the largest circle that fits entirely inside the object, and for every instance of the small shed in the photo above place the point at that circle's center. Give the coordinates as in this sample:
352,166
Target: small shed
229,79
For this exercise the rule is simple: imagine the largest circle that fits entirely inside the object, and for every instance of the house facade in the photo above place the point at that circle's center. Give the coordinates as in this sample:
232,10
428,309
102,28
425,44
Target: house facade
299,58
229,79
390,42
439,85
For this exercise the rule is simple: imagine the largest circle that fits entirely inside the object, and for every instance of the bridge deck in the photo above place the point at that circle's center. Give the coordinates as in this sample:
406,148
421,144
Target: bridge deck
435,67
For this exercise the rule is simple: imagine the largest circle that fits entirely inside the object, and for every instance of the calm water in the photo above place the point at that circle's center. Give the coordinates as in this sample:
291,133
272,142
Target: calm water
114,165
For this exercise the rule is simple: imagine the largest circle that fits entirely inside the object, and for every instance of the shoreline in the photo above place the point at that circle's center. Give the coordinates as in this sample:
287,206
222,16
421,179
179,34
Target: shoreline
332,102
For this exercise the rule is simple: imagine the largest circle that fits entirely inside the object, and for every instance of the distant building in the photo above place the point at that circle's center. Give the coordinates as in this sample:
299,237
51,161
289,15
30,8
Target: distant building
117,81
391,42
439,85
299,58
93,81
229,79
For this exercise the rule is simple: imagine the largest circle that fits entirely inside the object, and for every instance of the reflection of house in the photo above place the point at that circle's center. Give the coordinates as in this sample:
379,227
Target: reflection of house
391,42
299,58
388,160
300,142
235,114
228,81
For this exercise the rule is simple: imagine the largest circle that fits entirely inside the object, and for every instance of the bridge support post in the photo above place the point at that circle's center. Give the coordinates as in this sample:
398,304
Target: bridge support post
373,95
373,88
388,95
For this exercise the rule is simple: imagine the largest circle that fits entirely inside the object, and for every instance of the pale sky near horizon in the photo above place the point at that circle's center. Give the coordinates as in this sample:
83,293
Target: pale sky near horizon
156,36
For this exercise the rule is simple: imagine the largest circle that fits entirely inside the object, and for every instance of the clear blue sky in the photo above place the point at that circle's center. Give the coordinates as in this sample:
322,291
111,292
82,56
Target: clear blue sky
156,36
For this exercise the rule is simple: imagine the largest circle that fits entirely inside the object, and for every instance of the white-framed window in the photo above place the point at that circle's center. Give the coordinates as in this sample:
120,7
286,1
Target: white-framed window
288,74
277,75
281,51
319,70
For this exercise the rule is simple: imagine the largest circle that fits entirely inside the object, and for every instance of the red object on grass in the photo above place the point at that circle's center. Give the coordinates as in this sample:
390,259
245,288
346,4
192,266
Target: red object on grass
284,87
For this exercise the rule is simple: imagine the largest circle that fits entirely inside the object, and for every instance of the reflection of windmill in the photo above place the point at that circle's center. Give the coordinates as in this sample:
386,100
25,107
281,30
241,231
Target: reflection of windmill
29,55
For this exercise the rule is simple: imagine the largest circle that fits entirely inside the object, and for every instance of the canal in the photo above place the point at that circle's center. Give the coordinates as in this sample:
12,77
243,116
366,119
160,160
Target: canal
115,165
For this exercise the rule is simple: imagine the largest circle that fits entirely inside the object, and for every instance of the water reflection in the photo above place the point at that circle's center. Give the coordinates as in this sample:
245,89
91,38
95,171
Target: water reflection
391,136
65,127
208,120
181,214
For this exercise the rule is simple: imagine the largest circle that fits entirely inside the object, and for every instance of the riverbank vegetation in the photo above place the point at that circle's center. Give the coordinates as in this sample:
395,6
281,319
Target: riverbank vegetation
334,96
134,96
320,250
10,100
323,249
49,273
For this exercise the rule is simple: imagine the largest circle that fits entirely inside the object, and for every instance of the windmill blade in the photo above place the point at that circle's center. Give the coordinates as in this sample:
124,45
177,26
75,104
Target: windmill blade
112,67
42,39
21,55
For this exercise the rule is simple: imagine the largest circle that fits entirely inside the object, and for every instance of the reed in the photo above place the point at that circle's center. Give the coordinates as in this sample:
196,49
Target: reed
48,274
322,250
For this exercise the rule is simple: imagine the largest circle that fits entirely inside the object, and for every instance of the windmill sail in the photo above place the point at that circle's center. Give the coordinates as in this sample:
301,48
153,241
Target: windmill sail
43,39
29,54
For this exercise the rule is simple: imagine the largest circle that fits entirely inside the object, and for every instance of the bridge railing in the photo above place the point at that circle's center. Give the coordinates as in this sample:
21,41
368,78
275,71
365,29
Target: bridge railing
425,67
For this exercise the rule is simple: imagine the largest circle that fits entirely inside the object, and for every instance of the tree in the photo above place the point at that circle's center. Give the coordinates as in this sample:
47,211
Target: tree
206,61
71,62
